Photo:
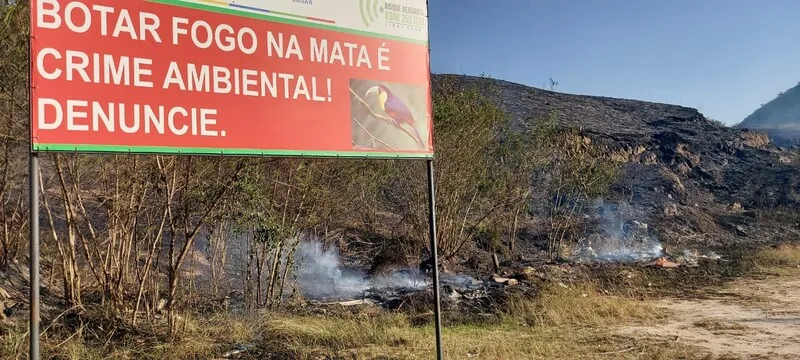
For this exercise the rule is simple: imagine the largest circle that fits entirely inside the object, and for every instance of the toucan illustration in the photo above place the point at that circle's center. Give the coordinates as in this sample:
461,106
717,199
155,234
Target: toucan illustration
396,110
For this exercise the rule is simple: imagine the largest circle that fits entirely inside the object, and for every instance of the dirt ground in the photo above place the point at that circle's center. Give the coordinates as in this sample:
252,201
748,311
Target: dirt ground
750,319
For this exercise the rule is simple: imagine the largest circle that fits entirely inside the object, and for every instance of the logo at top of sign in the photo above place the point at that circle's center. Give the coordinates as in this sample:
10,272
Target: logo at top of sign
370,10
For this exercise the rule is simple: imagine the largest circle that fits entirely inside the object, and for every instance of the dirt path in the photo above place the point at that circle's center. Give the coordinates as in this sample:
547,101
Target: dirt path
752,319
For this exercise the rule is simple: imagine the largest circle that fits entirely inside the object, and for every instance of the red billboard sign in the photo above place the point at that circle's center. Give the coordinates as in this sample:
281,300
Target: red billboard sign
283,77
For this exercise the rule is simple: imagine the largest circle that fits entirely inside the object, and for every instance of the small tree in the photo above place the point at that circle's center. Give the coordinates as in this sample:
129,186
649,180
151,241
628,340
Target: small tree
575,171
482,171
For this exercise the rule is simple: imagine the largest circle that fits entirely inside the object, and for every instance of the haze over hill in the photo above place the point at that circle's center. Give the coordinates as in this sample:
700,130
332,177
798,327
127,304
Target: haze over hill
780,118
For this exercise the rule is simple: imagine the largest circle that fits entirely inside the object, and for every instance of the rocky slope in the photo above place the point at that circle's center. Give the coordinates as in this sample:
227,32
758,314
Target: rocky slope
695,181
780,118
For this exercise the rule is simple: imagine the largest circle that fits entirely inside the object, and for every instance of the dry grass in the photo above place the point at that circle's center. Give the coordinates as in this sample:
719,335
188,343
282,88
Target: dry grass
308,335
782,260
718,327
313,338
582,305
562,323
13,341
203,339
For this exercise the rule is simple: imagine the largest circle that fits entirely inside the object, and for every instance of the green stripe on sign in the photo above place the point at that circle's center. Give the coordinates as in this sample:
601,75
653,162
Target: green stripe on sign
213,151
235,12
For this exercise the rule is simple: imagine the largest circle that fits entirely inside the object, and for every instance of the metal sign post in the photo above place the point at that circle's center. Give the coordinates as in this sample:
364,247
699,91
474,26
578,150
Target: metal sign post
435,257
437,311
33,182
33,221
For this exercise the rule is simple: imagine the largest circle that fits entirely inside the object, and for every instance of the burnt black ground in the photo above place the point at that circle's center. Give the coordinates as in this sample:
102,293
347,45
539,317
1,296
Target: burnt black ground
728,185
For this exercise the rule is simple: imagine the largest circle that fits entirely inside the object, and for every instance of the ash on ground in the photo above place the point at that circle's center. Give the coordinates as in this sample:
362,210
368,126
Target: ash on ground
458,293
322,280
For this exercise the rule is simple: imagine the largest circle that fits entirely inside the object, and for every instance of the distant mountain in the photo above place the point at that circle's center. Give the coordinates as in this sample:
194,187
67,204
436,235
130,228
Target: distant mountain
780,118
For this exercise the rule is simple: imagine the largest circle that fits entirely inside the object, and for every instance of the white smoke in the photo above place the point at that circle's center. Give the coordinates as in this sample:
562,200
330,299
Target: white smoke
320,275
620,236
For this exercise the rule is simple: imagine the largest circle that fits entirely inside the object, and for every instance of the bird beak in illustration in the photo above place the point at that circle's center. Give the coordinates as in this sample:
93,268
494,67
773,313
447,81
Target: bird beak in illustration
380,94
375,90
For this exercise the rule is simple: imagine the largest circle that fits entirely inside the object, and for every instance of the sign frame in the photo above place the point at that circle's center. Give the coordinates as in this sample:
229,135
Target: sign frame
136,100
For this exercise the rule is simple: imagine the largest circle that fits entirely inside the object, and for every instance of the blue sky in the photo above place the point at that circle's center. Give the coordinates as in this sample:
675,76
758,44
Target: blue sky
723,57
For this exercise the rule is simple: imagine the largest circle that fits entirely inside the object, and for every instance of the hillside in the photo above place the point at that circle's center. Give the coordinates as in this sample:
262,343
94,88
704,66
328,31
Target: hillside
198,246
694,181
780,118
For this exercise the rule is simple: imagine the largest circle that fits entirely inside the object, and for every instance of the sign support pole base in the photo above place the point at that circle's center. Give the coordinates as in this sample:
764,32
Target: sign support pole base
33,181
435,258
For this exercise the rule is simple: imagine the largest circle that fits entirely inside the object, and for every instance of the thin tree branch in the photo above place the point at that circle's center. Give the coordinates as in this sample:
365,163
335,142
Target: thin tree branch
386,119
374,138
